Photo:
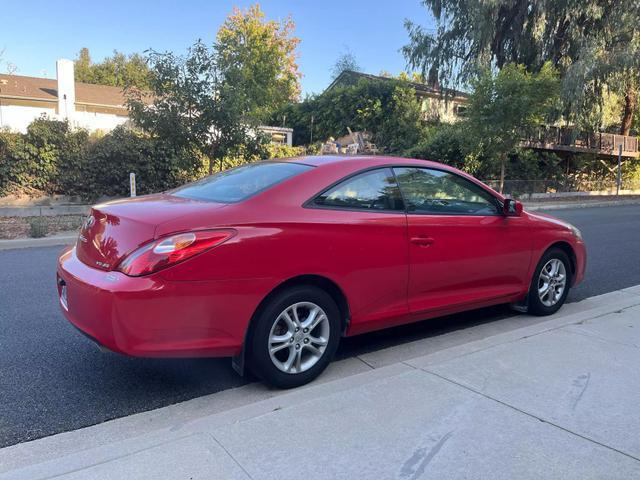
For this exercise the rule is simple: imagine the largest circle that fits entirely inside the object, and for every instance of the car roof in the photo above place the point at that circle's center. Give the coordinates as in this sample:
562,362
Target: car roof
372,160
357,162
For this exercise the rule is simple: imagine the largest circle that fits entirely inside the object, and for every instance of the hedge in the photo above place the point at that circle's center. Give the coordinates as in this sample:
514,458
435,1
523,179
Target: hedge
53,158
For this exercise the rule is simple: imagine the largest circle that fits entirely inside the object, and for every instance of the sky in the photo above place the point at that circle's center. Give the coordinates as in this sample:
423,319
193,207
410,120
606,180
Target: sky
35,34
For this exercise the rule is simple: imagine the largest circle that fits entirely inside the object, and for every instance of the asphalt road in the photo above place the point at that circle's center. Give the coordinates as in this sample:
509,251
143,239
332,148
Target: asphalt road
52,379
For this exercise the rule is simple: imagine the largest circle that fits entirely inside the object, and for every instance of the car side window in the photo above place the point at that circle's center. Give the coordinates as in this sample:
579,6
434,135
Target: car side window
371,190
430,191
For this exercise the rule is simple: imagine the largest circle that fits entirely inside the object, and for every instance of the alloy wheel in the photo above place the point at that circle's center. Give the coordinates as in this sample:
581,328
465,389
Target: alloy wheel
552,282
299,337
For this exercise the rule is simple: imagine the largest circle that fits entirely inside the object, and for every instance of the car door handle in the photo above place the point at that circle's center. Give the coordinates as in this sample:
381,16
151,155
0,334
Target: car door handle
422,240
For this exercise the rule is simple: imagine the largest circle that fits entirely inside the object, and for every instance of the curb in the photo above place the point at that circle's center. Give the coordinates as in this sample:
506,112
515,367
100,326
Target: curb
532,207
67,238
44,211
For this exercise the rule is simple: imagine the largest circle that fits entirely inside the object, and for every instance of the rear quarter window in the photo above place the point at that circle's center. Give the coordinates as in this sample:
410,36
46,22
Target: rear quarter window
240,183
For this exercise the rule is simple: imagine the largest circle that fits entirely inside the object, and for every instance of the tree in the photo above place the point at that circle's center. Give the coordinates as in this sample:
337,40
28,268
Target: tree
258,57
191,105
609,63
401,125
473,35
387,108
346,61
82,67
119,70
505,105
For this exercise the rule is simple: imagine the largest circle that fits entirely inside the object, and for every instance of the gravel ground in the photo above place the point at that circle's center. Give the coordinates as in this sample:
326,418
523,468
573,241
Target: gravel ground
21,227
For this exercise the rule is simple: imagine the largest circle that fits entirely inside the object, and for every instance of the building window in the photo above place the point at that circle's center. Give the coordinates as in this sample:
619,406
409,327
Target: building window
460,110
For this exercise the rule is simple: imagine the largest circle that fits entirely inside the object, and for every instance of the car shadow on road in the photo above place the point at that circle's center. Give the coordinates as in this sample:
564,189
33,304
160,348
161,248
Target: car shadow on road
391,337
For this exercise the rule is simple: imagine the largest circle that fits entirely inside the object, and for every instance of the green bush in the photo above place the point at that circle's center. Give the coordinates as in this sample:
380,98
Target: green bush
526,170
105,168
275,150
442,143
52,158
38,227
31,161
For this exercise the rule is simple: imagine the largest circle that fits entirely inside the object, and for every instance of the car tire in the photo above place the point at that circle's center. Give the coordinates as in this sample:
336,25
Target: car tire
550,283
286,348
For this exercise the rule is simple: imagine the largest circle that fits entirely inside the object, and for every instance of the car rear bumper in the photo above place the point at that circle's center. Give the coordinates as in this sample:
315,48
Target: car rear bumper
152,317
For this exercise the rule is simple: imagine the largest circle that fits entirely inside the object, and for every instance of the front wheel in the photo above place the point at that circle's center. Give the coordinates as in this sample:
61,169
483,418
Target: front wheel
295,337
550,284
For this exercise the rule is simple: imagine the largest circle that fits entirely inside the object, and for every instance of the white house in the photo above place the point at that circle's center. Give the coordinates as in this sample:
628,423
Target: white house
92,107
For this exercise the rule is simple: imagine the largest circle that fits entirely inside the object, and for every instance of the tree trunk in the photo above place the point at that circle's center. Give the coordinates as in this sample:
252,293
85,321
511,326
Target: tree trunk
502,168
630,103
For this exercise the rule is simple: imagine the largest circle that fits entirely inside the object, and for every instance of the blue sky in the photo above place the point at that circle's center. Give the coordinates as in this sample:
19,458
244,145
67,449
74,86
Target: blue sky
36,33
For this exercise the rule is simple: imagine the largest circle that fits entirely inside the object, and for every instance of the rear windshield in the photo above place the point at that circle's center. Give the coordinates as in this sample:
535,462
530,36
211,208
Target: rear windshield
239,183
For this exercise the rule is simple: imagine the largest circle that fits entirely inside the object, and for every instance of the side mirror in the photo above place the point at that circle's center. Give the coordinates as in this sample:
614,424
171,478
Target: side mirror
511,208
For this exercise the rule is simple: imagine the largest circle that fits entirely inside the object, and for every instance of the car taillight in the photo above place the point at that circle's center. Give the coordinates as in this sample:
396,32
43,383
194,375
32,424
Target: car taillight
168,251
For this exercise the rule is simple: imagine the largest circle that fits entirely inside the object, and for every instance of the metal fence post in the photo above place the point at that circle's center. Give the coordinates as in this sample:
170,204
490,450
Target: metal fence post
619,180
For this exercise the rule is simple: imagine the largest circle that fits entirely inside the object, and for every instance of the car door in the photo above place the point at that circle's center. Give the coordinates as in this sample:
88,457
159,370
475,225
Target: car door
363,217
462,249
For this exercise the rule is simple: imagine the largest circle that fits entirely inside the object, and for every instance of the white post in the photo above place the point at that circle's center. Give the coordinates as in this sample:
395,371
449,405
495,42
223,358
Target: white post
66,89
132,184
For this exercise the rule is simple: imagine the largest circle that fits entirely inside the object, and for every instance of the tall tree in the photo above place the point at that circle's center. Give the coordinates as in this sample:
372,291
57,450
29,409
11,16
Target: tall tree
258,57
505,105
82,67
119,70
473,35
346,61
192,106
609,62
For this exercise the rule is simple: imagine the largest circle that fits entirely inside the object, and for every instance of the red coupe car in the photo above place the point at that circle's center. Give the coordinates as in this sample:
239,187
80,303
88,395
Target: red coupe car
271,263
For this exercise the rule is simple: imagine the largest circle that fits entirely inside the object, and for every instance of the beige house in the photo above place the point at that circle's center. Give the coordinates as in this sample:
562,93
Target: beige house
437,105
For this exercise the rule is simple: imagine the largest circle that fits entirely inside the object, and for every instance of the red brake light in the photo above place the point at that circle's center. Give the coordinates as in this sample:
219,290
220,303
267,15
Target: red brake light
168,251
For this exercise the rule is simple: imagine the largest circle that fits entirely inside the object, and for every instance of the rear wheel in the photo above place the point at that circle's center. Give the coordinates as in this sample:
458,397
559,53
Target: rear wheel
550,284
295,337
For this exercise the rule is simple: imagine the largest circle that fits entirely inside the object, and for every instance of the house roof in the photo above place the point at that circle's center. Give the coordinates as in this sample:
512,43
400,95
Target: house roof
35,88
349,77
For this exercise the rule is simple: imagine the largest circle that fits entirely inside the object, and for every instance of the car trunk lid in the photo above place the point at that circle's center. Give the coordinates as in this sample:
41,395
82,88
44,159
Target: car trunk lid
115,229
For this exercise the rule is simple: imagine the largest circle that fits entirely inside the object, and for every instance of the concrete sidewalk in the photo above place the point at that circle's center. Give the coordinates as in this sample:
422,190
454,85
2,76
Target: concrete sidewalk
556,399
